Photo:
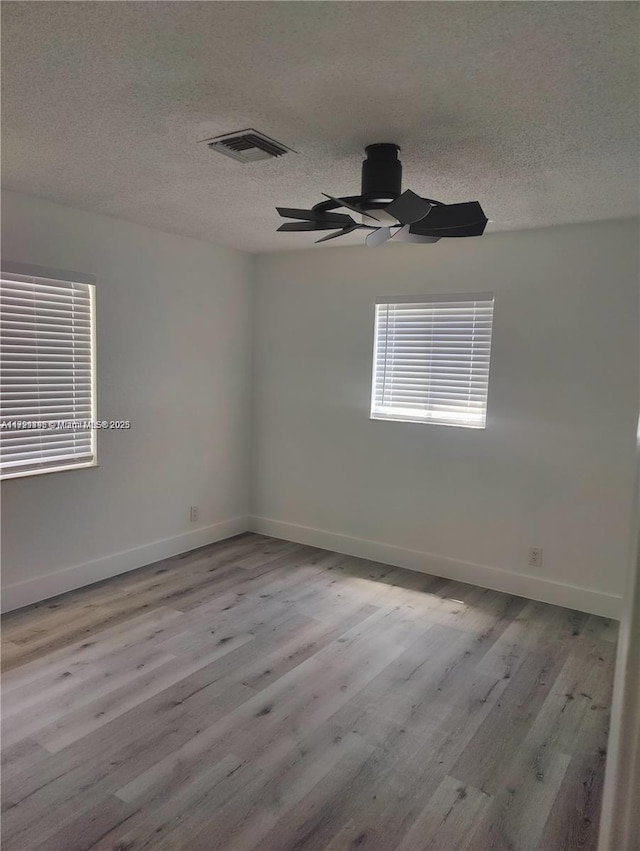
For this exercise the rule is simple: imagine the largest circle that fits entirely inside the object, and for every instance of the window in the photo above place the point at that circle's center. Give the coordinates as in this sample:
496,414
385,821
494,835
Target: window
47,375
431,359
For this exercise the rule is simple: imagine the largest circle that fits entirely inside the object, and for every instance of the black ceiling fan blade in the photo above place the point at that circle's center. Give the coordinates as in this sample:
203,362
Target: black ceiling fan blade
472,229
302,226
408,208
405,235
446,218
342,232
315,215
348,206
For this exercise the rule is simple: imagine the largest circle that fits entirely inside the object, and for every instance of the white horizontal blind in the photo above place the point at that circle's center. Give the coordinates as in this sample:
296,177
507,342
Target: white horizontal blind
431,359
47,398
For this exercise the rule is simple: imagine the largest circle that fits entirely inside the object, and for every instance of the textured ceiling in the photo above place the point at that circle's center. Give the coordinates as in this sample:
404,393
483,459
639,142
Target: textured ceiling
530,108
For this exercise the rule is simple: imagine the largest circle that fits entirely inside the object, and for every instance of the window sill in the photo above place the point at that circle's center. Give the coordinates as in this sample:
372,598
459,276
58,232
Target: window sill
417,421
23,474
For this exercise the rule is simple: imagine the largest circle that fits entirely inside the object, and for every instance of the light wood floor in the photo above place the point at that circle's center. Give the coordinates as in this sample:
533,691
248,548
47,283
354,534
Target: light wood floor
257,694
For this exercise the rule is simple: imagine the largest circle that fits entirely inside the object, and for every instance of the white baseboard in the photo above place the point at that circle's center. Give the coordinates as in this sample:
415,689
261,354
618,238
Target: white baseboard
532,587
42,587
520,584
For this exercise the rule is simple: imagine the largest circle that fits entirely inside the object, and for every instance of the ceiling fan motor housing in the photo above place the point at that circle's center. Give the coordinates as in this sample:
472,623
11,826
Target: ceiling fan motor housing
381,173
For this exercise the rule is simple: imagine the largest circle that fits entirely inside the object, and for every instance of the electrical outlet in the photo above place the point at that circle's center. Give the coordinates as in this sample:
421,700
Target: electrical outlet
193,516
535,556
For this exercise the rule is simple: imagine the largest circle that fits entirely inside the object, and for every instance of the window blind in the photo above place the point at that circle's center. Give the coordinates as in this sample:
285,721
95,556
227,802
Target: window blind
47,396
431,359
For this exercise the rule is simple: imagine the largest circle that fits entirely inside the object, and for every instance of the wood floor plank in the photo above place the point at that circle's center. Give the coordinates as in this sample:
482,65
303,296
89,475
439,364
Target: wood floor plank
158,725
248,826
177,809
81,722
25,720
500,736
520,810
55,629
85,653
260,695
575,814
89,828
68,784
304,698
448,820
409,716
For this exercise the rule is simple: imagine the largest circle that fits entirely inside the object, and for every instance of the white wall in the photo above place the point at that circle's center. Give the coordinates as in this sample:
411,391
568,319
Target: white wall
173,344
554,467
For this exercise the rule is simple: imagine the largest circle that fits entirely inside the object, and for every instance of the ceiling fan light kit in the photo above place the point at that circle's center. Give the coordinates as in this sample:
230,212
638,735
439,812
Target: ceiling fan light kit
385,210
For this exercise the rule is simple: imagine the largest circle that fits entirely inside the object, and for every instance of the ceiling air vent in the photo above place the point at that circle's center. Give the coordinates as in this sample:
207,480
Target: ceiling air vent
248,146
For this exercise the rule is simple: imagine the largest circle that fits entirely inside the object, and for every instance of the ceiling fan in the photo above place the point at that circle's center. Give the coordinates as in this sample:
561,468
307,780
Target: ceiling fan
385,211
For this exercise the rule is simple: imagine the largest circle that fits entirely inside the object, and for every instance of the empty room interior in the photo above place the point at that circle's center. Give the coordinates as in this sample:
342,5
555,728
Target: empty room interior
319,393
